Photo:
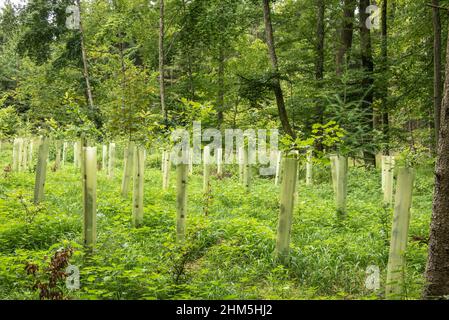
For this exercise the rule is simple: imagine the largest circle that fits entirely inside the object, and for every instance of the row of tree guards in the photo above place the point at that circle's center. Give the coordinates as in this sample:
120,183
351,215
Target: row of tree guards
286,174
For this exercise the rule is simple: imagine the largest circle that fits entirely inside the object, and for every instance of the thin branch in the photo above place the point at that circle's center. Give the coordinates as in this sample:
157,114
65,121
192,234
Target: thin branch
438,7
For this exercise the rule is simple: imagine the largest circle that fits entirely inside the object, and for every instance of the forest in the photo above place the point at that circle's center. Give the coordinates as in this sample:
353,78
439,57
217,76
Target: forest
224,150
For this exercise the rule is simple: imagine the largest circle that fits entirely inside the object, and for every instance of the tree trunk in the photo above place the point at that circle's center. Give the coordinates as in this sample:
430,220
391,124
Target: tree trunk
346,35
384,82
274,63
367,81
319,61
221,84
86,67
437,84
437,271
161,60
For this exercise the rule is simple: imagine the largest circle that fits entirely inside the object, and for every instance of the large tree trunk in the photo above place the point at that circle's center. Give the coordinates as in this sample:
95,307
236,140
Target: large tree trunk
384,82
437,271
437,84
274,63
161,60
346,36
367,81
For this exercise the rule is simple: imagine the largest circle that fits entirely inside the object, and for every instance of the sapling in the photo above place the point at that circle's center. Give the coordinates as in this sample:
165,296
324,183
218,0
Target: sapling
399,233
219,161
19,154
90,195
76,154
111,160
128,169
104,157
339,167
181,201
138,187
15,155
309,168
240,156
41,170
64,153
166,171
58,155
246,169
288,187
278,167
388,179
206,170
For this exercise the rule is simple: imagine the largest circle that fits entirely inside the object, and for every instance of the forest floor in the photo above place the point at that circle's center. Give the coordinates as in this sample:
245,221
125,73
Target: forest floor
228,252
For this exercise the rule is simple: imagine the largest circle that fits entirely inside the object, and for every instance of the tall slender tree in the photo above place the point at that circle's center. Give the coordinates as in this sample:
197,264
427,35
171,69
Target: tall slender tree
383,92
162,59
276,77
367,80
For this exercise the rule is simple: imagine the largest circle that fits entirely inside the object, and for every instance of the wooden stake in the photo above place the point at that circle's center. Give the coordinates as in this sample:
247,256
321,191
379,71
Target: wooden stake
399,233
41,171
90,195
286,208
139,164
181,200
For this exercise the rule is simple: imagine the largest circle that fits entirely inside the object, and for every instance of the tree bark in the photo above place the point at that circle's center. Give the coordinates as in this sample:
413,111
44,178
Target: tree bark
346,36
367,81
274,63
437,84
161,59
90,98
437,271
384,82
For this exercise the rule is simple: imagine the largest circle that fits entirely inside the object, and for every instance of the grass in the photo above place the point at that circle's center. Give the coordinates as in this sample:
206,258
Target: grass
228,254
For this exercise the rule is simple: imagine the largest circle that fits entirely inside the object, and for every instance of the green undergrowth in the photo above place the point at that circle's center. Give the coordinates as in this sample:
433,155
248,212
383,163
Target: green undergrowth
228,253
